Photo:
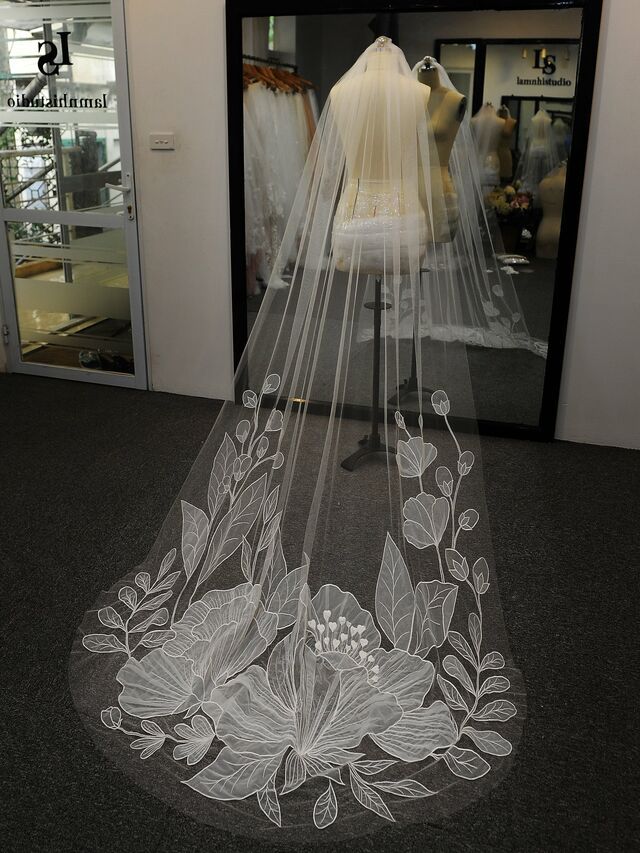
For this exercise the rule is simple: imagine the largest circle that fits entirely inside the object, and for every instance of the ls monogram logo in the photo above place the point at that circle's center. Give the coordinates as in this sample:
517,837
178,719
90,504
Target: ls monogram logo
547,63
50,56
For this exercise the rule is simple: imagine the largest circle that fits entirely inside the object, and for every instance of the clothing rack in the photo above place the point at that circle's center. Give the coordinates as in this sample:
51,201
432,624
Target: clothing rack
277,62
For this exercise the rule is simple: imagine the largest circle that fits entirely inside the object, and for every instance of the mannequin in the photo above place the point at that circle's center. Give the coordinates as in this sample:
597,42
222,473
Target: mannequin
561,134
447,108
488,129
504,145
540,156
551,192
375,206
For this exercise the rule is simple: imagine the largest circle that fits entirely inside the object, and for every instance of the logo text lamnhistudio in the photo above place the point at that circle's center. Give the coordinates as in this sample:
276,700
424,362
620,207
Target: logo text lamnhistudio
54,55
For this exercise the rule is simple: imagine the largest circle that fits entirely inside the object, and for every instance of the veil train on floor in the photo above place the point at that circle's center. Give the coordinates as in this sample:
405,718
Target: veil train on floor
315,641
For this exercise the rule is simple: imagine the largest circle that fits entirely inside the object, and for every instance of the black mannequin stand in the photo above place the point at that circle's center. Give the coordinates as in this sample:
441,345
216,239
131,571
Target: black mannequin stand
372,443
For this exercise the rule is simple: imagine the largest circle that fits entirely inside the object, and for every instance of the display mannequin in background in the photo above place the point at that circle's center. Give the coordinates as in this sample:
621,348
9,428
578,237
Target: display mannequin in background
372,197
504,145
540,155
447,109
488,129
551,194
562,134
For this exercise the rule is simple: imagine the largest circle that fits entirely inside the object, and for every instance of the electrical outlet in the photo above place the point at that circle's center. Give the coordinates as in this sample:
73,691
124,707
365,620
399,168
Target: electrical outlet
162,141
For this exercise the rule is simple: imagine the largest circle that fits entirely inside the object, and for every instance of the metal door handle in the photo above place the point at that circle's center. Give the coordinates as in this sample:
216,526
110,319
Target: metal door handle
124,188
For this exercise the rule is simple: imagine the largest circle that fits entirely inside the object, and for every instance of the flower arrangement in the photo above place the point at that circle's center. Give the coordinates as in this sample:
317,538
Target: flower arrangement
510,201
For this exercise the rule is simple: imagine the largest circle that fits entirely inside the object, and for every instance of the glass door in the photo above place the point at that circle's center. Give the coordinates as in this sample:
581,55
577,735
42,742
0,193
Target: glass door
69,262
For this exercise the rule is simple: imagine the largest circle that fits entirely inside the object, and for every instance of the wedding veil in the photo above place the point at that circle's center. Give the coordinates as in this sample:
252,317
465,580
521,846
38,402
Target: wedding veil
540,155
467,289
315,641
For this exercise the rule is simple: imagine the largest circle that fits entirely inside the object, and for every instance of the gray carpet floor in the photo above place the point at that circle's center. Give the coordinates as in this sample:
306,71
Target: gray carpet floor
88,474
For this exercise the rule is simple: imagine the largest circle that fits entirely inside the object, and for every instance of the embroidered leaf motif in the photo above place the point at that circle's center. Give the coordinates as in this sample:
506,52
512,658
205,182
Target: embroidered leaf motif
167,562
452,695
462,647
270,531
195,526
235,524
369,798
167,583
455,669
494,660
160,617
155,638
435,604
284,600
495,684
325,810
155,602
246,558
270,504
221,471
394,597
109,616
103,643
269,802
466,763
370,768
405,788
488,741
232,776
497,711
143,580
274,567
128,596
475,630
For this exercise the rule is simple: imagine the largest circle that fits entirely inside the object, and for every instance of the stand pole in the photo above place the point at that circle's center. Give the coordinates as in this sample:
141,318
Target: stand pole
371,443
410,386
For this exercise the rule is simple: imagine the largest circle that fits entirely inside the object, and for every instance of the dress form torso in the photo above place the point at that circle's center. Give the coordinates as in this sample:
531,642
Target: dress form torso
380,209
446,108
504,145
488,128
551,193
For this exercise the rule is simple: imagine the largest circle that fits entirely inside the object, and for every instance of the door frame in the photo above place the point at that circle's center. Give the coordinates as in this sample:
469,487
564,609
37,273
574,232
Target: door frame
15,364
236,10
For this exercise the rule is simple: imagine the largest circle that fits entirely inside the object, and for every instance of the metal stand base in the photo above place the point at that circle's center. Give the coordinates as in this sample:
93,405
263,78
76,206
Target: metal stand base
371,443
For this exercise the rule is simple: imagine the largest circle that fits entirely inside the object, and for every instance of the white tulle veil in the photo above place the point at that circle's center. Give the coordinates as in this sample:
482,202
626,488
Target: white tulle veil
467,289
311,647
540,155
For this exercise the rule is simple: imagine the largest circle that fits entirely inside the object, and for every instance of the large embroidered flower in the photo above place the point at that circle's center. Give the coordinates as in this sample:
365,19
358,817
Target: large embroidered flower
345,635
300,704
217,637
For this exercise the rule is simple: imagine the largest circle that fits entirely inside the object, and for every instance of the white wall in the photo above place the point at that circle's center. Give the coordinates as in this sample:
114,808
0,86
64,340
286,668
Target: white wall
177,76
600,396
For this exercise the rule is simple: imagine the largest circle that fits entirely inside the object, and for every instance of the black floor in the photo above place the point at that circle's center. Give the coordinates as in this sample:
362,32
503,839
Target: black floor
88,474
